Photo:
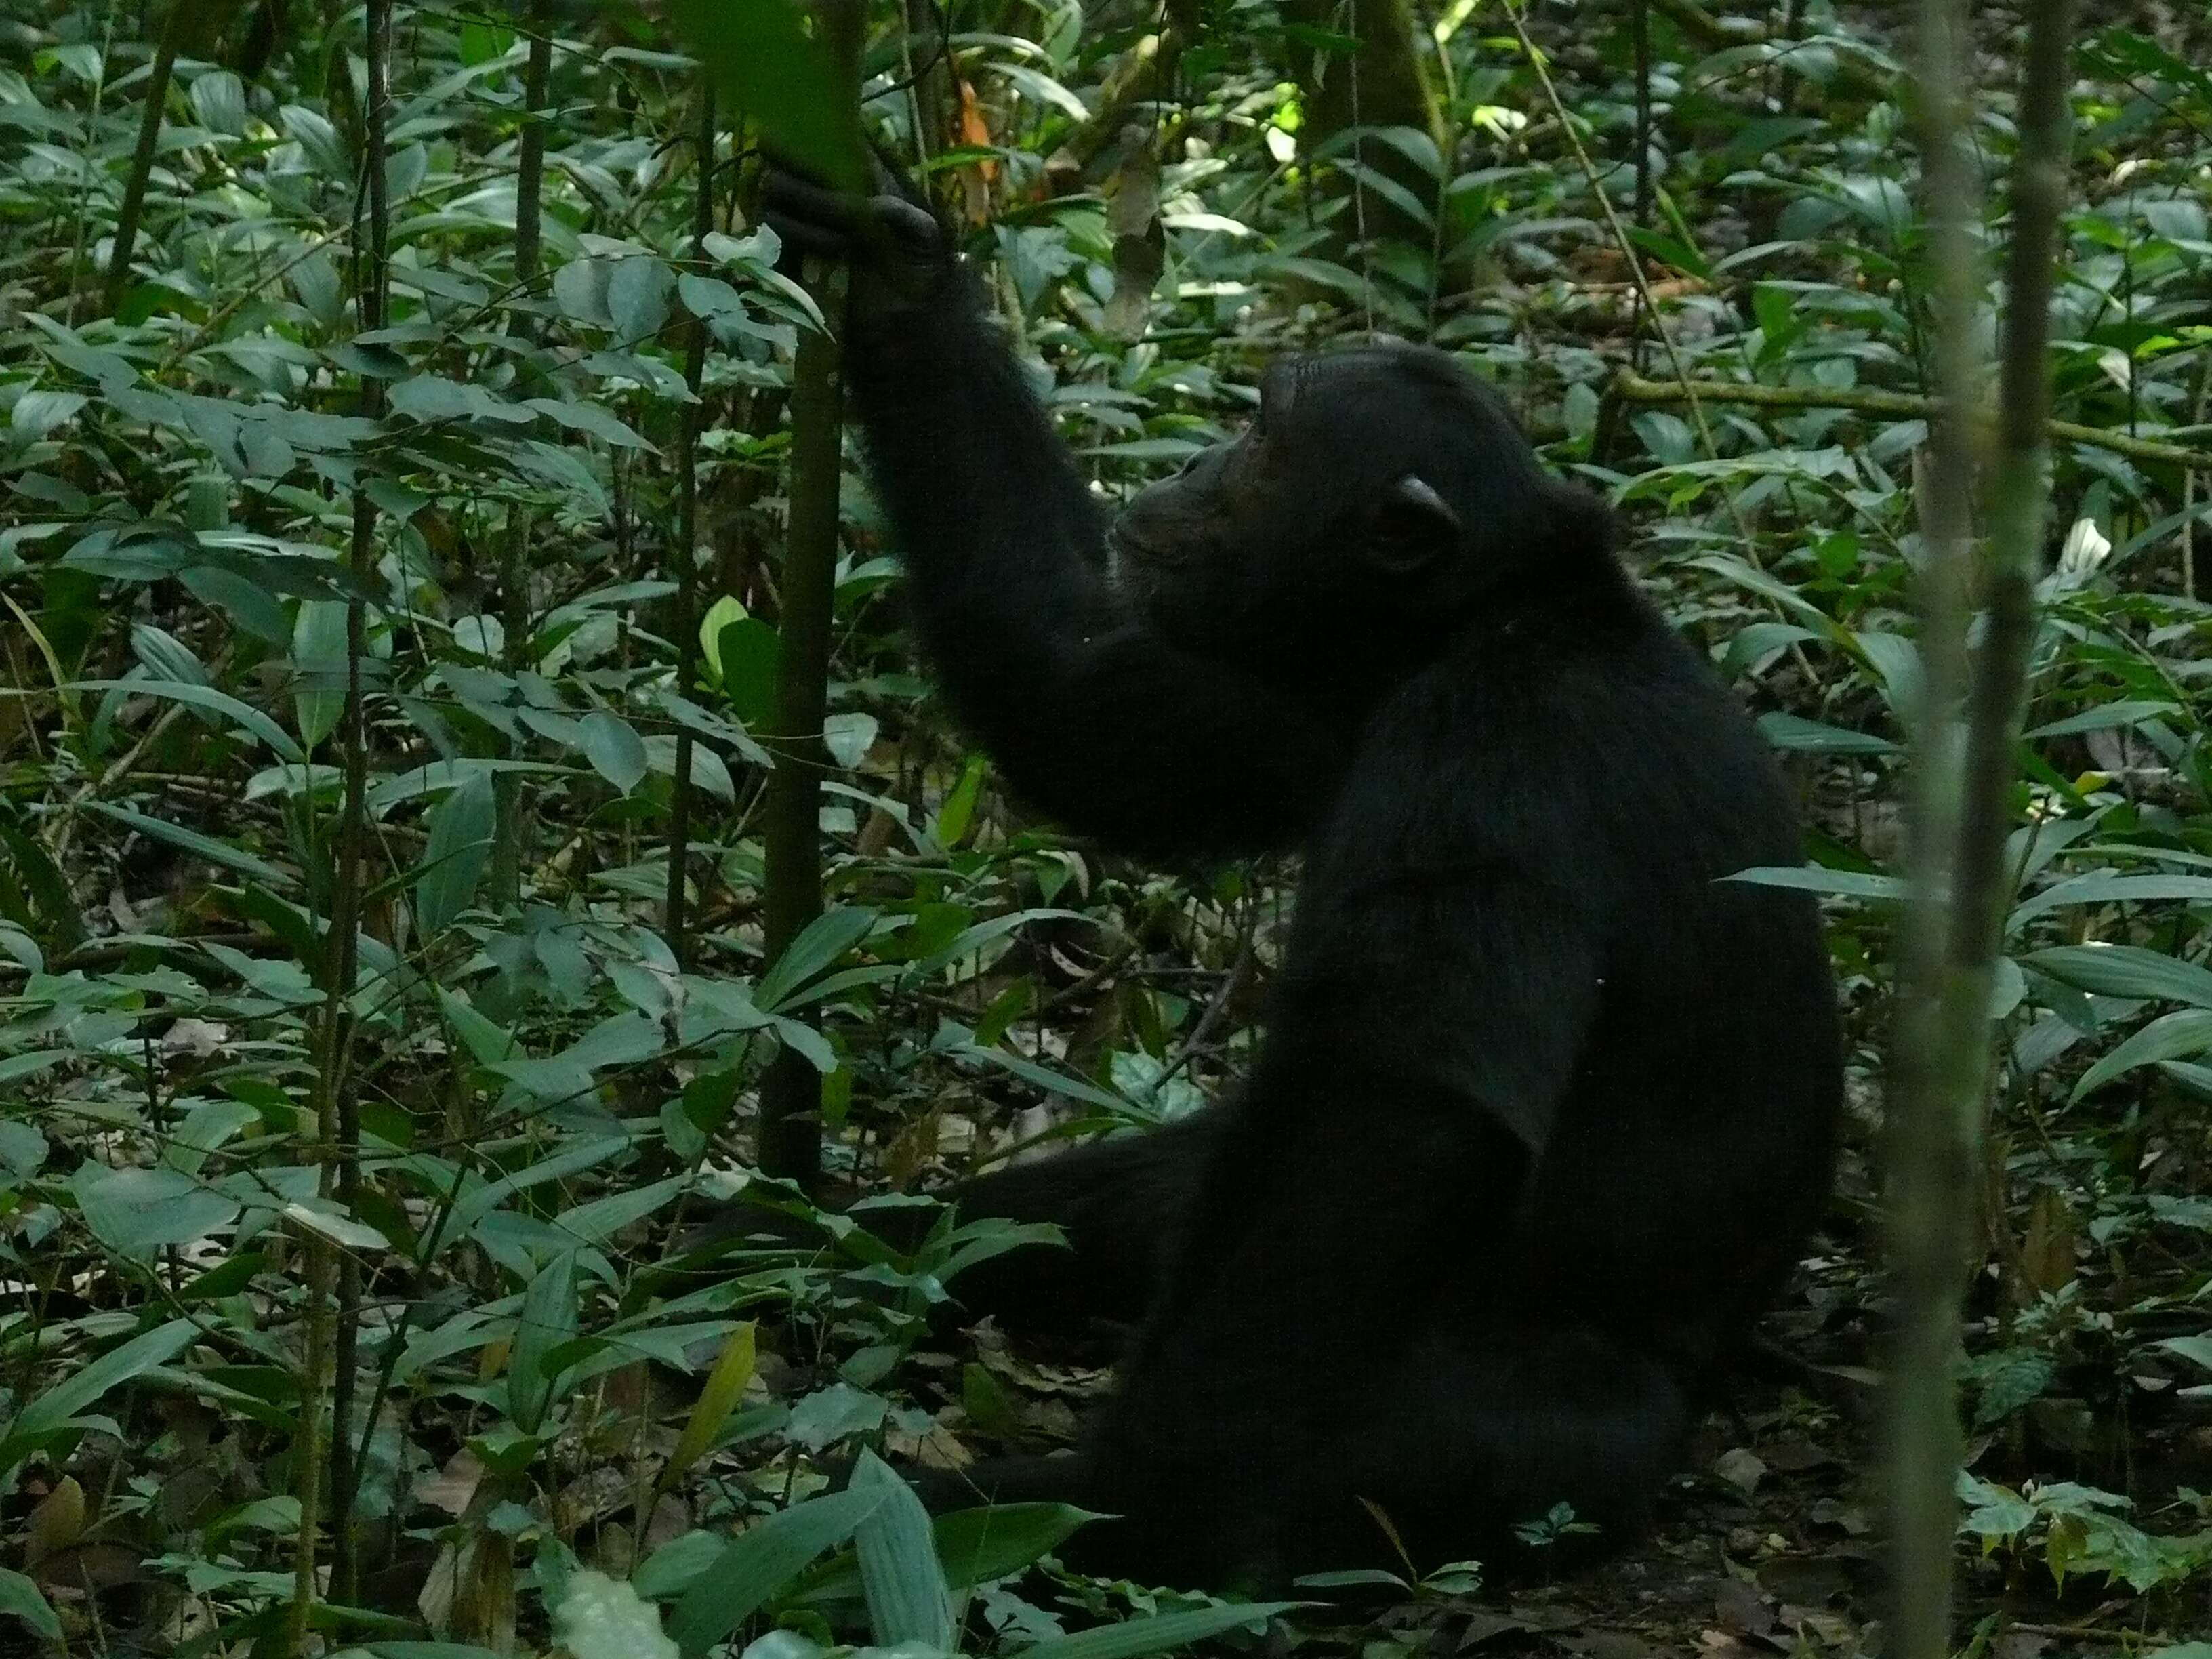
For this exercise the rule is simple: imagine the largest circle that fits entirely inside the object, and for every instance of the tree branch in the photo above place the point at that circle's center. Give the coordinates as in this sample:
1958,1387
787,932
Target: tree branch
1631,388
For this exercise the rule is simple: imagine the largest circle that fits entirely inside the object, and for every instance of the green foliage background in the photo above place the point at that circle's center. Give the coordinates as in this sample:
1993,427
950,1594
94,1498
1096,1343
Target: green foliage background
545,1098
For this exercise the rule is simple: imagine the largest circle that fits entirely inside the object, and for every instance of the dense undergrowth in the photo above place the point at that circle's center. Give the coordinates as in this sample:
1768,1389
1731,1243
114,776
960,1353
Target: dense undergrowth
532,1391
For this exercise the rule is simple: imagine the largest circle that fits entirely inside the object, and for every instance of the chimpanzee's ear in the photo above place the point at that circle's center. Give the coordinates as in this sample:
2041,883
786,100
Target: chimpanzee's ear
1411,526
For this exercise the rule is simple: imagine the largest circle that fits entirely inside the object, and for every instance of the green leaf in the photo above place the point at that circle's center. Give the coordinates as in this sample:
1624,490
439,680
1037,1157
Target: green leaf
453,863
243,715
319,668
2171,1036
2195,1349
824,939
848,738
87,1384
762,61
761,1562
1839,883
2125,971
746,654
218,99
20,1597
1157,1633
959,809
638,289
976,1545
588,418
37,414
721,615
908,1598
613,747
139,1213
548,1321
488,1043
2104,718
972,939
1796,732
2111,887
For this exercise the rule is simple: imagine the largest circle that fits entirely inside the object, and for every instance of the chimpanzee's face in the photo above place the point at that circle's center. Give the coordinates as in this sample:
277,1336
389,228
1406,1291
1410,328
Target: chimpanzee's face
1344,514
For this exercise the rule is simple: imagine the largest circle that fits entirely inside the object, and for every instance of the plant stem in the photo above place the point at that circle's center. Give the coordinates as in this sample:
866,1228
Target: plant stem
1941,1078
338,1106
183,14
1869,400
791,1093
674,926
510,808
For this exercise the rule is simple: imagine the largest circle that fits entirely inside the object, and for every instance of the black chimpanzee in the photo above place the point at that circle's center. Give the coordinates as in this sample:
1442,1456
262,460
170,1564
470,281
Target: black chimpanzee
1545,1104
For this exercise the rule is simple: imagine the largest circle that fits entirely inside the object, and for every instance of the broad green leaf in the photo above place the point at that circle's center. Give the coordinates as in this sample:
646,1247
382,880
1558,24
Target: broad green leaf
601,1218
762,61
1796,732
638,289
972,939
908,1598
848,738
39,413
2176,1035
959,809
1156,1634
2111,887
2105,718
488,1043
760,1563
724,612
613,747
726,1386
2126,970
219,100
824,939
166,656
2195,1349
243,715
976,1545
325,1217
548,1321
21,1598
1840,884
319,668
139,1213
86,1384
461,828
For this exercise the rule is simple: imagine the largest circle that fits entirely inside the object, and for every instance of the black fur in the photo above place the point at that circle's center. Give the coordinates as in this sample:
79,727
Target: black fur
1544,1108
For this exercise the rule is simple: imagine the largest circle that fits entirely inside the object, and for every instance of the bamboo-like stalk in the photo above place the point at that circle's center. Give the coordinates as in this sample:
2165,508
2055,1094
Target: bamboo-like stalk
510,806
333,1320
1873,400
791,1093
674,926
182,15
1940,1072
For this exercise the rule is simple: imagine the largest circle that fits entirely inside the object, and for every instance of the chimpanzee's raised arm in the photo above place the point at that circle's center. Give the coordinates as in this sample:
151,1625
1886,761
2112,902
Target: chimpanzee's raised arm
1092,714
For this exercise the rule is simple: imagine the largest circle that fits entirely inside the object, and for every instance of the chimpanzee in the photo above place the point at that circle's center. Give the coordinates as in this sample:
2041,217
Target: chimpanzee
1545,1104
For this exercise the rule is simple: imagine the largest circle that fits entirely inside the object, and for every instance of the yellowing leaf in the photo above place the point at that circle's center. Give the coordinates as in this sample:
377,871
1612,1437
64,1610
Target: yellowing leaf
726,1386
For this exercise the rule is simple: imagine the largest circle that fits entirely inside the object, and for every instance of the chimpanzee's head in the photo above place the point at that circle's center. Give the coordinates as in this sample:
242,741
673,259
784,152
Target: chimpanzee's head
1380,499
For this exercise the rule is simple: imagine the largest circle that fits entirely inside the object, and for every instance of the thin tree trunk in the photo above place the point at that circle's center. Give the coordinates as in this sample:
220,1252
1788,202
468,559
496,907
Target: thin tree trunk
791,1093
674,926
333,1326
183,14
1383,84
511,815
1962,811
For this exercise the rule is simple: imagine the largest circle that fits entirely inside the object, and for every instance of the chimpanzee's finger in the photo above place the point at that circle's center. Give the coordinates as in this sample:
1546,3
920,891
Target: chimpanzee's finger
804,236
793,196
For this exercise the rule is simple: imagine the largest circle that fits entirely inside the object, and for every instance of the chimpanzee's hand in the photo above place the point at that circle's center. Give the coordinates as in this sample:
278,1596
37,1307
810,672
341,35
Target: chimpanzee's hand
896,249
